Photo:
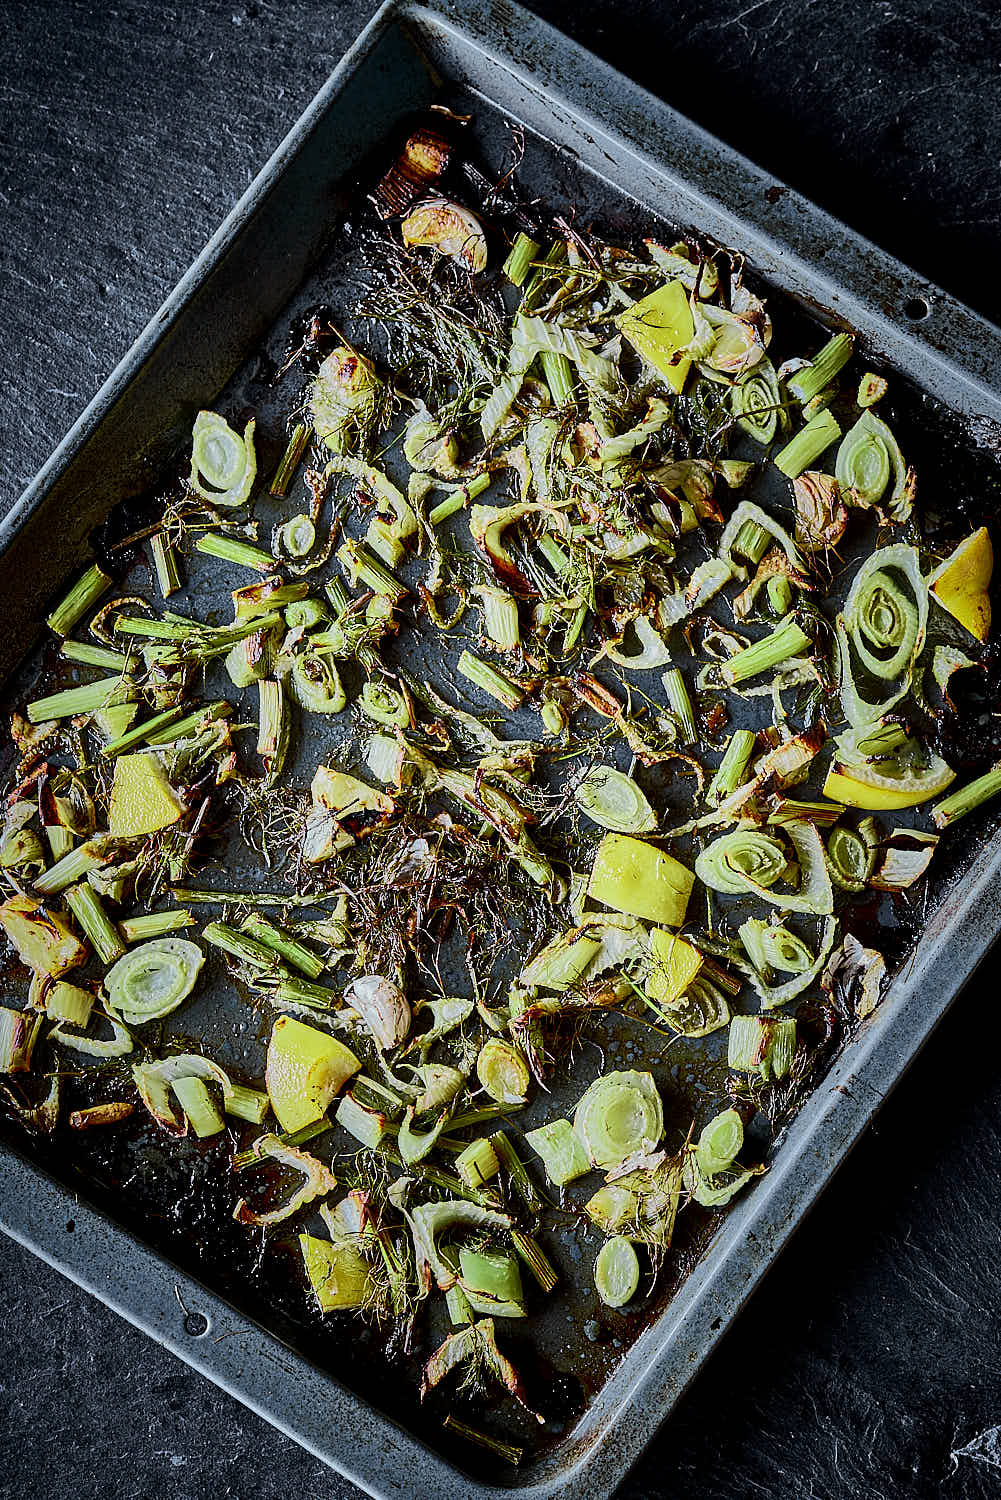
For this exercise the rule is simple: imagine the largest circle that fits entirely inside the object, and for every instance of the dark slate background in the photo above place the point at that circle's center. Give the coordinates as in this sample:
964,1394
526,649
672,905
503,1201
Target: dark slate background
869,1365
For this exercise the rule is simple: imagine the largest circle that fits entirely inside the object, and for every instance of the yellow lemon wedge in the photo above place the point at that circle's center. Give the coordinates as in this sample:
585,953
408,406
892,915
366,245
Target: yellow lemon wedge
659,327
305,1069
142,799
960,584
867,787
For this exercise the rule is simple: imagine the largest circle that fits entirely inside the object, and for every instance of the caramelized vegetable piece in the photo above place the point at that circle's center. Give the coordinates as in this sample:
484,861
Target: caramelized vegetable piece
448,228
43,939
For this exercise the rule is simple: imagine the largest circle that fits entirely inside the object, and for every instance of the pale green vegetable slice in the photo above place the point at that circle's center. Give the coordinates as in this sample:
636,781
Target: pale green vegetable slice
720,1142
200,1108
774,947
765,1045
223,464
613,800
153,979
716,1190
492,1283
620,1116
616,1272
563,1156
502,1071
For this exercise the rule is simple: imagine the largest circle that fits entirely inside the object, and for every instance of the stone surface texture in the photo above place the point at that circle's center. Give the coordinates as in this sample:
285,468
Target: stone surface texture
868,1366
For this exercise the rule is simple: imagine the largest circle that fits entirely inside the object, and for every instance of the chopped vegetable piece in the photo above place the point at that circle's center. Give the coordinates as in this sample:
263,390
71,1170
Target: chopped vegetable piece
448,228
950,809
872,388
69,1003
19,1032
42,938
82,596
199,1107
478,1163
305,1069
340,1276
807,383
288,948
867,459
519,261
562,963
297,444
223,464
230,549
637,878
720,1142
787,640
732,767
142,798
563,1156
674,966
383,1007
366,1125
492,1283
484,676
317,1180
247,1104
903,859
716,1190
681,706
152,980
613,800
643,1203
512,1164
88,698
765,1045
756,402
620,1117
851,855
85,904
808,444
616,1272
502,1071
111,1113
874,786
660,327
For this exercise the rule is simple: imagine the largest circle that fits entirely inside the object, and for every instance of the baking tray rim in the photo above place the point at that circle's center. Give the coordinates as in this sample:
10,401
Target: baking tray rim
156,1297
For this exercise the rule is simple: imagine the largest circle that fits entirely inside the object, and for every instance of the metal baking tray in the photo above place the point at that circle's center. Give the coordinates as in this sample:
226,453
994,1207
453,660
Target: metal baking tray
624,150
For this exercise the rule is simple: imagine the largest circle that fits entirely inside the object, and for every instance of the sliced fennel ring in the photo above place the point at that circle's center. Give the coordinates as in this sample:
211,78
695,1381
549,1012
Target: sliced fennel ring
153,979
613,800
619,1117
223,464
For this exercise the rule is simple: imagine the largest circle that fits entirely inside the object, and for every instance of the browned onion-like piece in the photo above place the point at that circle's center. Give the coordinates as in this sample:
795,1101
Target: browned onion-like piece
448,228
418,167
821,514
